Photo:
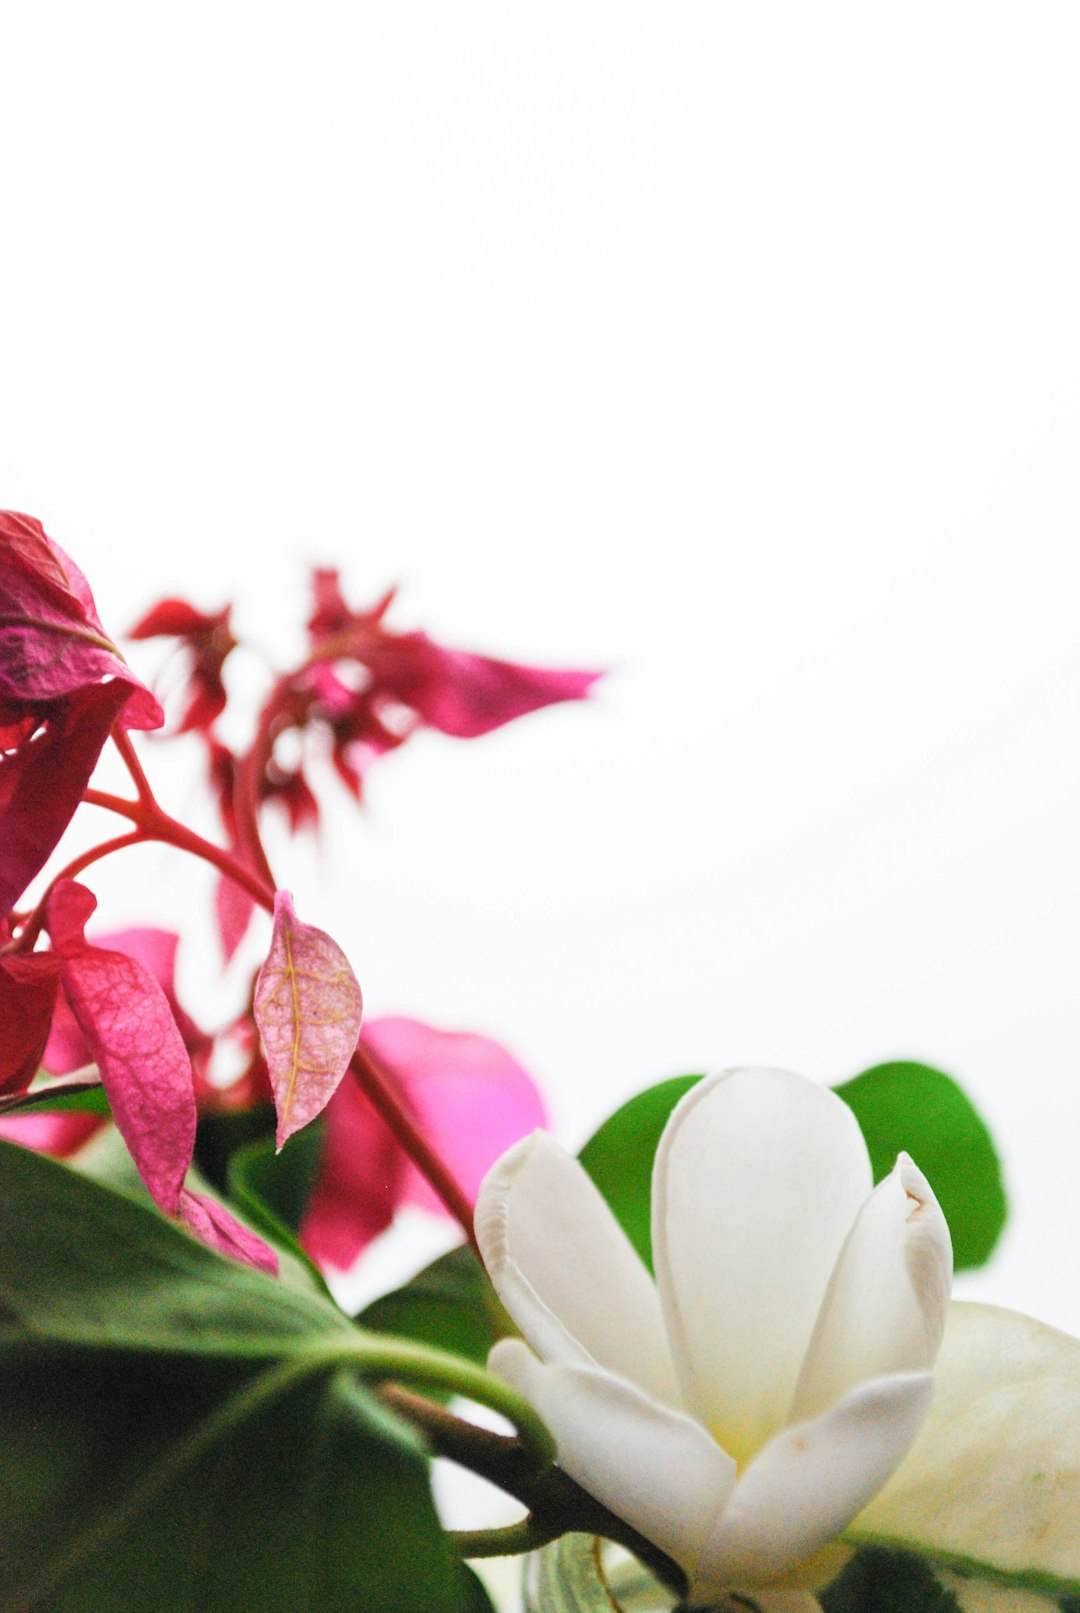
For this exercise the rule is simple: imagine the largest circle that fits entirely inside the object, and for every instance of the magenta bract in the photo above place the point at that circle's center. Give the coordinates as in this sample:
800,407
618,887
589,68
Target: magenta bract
213,1225
27,998
63,684
130,1033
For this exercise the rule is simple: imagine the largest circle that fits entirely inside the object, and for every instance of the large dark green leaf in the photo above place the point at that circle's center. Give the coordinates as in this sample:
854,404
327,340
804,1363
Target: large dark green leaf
923,1111
129,1487
451,1304
181,1432
619,1157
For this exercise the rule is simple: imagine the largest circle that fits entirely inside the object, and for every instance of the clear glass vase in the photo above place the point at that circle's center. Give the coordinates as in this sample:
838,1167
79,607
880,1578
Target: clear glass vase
580,1574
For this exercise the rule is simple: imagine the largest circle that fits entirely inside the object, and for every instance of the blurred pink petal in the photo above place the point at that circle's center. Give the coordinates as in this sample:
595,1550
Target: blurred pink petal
233,909
56,1134
359,1182
27,1000
472,1098
467,695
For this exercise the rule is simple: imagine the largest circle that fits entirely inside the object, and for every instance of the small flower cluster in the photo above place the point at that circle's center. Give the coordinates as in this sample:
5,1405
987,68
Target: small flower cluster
426,1104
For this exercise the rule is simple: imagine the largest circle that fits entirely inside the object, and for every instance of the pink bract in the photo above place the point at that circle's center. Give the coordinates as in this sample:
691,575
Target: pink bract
470,1095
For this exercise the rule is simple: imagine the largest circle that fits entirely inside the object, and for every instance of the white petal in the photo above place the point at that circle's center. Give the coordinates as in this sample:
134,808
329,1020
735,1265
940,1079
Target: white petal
810,1482
885,1306
994,1476
565,1270
758,1178
654,1467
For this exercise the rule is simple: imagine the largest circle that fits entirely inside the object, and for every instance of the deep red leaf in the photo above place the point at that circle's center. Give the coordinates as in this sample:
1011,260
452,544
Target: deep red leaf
27,997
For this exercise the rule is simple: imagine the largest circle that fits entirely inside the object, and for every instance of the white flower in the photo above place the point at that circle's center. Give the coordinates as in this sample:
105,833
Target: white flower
740,1412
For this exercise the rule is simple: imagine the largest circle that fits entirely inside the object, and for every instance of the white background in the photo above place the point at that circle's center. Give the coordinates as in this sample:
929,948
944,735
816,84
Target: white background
734,348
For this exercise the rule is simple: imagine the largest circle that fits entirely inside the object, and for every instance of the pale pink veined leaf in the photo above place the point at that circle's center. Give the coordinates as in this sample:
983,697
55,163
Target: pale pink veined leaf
308,1009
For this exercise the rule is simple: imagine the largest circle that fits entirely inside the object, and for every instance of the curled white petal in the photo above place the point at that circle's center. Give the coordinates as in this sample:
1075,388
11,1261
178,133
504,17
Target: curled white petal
565,1270
884,1309
810,1482
758,1178
652,1466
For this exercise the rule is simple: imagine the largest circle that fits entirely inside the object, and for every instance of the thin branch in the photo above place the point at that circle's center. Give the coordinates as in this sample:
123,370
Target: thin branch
378,1086
557,1504
122,741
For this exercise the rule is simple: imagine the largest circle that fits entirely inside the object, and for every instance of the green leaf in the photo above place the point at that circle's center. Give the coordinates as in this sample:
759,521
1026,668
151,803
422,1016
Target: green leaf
921,1110
275,1188
82,1265
898,1106
992,1483
105,1159
180,1431
272,1191
129,1486
59,1097
221,1134
880,1581
450,1304
619,1157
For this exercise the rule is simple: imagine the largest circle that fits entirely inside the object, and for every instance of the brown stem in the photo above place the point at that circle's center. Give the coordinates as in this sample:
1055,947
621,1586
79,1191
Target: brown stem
557,1505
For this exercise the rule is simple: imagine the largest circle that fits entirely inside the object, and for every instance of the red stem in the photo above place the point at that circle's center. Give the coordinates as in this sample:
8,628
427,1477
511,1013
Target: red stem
377,1085
156,824
249,772
152,822
122,741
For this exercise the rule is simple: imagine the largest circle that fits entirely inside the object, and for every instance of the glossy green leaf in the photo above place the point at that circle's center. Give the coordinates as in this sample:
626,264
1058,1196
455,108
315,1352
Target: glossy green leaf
619,1157
180,1431
923,1111
450,1304
992,1483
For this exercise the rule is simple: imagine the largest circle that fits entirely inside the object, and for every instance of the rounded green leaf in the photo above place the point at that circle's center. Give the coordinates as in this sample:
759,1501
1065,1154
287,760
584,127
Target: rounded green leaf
922,1111
619,1157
